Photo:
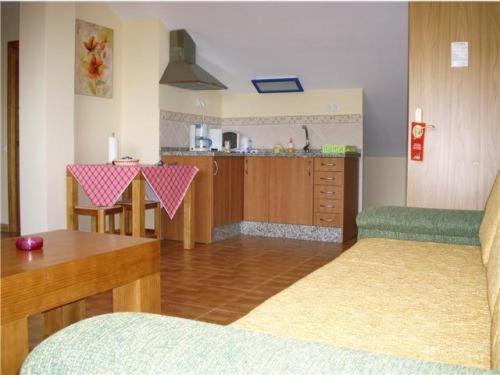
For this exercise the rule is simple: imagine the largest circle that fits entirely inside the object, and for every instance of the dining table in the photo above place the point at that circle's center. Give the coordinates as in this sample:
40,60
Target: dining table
104,184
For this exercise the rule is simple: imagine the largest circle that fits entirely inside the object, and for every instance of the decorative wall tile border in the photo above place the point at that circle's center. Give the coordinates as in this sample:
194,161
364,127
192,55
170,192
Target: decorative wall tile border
262,120
189,118
293,120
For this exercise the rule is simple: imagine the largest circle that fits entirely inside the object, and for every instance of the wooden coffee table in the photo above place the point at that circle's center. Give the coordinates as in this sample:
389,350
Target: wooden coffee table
72,266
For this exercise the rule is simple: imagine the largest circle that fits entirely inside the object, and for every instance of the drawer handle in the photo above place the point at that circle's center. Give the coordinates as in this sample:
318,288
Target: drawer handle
328,164
327,220
327,178
327,205
327,192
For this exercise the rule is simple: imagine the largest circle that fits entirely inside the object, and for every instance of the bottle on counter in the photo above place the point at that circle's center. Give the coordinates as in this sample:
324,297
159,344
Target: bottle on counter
291,147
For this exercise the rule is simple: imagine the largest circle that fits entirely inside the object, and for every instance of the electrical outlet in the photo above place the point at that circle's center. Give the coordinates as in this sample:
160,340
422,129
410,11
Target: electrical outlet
200,103
333,107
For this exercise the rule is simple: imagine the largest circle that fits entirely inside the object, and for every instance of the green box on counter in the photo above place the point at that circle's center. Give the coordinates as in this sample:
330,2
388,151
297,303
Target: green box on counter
338,149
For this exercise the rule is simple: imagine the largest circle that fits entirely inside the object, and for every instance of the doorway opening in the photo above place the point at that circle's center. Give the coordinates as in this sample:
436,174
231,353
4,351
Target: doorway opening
13,227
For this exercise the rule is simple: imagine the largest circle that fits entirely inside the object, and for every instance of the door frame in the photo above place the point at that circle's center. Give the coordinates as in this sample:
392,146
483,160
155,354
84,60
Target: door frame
13,134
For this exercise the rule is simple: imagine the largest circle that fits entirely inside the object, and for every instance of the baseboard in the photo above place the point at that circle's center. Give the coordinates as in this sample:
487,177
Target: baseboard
5,227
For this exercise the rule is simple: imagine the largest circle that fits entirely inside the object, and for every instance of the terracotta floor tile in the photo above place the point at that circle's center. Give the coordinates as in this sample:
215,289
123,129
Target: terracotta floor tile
184,311
219,316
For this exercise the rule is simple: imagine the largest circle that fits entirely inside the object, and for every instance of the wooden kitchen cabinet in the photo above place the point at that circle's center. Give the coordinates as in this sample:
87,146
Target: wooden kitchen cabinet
291,190
279,190
336,194
272,189
228,190
218,195
256,189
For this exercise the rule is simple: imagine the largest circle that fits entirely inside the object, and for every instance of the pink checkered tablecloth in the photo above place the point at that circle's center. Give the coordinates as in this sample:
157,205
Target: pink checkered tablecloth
104,184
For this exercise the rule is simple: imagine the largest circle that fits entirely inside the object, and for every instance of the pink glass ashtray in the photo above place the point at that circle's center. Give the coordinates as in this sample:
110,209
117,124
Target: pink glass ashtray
29,243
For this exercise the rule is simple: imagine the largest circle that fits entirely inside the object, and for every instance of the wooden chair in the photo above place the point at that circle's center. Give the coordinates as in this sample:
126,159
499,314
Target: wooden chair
149,205
98,217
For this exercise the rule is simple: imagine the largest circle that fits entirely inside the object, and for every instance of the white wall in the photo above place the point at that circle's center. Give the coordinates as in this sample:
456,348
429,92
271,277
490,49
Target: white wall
97,118
46,130
384,181
140,131
313,102
10,32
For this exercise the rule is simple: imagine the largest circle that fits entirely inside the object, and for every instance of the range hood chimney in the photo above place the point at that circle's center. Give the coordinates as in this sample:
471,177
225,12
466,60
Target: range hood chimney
182,70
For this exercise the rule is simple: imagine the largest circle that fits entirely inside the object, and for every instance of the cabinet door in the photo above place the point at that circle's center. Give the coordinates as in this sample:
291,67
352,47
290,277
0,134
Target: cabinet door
222,190
291,190
236,189
256,189
228,190
173,229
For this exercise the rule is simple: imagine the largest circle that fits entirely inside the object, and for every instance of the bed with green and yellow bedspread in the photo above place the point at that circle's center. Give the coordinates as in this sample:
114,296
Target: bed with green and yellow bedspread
385,306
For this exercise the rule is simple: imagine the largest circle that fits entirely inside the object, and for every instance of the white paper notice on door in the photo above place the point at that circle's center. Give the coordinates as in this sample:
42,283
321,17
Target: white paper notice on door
459,54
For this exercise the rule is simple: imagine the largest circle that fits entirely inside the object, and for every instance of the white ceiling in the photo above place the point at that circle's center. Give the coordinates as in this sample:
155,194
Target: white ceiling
327,45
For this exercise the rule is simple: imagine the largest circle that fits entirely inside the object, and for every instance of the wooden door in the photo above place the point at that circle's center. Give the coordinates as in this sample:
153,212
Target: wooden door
13,134
203,201
461,154
291,190
256,188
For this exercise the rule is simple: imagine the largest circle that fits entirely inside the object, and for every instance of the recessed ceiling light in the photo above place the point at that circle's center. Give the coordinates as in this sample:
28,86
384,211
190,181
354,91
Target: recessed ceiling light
277,85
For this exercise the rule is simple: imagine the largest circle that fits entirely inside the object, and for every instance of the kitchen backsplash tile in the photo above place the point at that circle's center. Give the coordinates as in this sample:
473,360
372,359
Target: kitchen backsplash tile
174,127
265,132
297,120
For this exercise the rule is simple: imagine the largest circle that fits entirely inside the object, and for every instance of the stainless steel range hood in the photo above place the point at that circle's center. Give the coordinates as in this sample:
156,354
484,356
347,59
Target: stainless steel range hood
182,70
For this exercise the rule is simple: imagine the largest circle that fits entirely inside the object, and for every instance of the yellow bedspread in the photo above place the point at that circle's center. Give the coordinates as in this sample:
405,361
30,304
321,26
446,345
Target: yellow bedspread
412,299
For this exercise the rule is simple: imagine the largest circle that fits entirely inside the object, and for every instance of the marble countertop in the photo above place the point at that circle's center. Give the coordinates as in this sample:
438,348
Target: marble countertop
165,151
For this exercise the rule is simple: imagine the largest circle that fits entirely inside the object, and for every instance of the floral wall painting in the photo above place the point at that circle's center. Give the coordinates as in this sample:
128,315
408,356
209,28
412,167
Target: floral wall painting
93,60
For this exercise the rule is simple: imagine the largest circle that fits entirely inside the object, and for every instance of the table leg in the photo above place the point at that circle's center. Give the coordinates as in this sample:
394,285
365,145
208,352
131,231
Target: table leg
71,201
138,214
101,221
127,197
111,223
14,345
188,206
60,317
142,295
93,223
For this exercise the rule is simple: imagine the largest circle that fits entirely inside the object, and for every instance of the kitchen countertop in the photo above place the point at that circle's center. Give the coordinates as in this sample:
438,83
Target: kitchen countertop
165,151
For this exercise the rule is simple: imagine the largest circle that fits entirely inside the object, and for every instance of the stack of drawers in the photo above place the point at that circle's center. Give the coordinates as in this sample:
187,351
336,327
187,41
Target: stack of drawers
334,203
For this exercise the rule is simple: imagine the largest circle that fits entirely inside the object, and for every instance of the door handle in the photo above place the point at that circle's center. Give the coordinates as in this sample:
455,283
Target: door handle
327,220
327,178
328,164
327,205
216,167
327,192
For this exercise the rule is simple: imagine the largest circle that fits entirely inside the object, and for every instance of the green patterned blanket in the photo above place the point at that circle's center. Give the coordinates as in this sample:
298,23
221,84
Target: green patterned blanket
420,224
135,343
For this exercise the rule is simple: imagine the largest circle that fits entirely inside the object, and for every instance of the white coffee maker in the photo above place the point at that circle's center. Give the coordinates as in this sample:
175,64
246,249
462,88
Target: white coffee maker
198,138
